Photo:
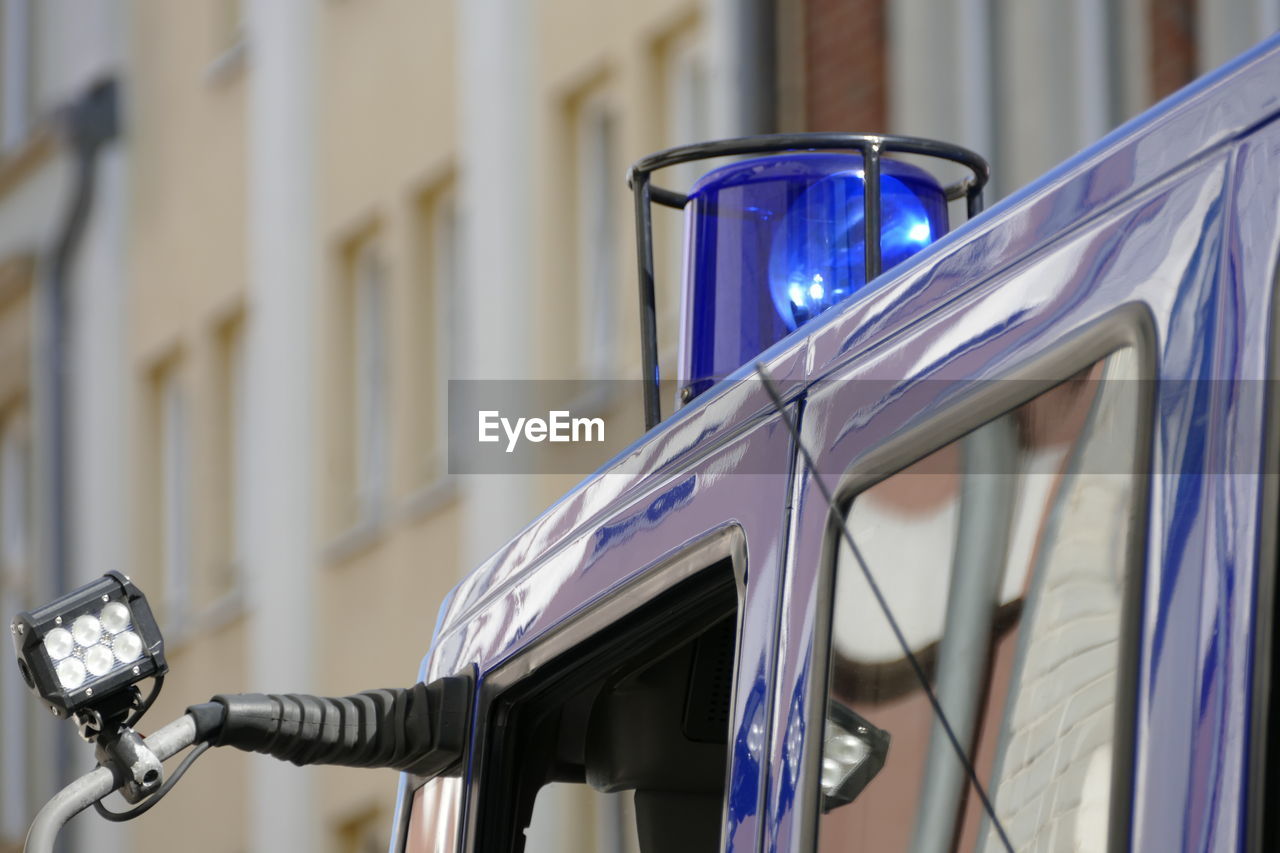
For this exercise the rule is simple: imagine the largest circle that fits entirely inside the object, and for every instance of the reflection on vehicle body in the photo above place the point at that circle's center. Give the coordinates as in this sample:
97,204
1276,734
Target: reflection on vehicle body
1003,557
1043,445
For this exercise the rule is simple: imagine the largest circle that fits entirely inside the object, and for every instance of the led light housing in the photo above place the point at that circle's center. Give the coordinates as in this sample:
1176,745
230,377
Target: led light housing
853,751
775,241
90,645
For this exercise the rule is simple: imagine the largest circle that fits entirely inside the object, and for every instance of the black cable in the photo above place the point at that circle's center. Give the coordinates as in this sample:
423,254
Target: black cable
776,398
145,805
156,684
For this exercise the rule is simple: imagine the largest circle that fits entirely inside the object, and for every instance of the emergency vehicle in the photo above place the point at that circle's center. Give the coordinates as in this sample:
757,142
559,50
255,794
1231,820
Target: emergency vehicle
977,553
1051,435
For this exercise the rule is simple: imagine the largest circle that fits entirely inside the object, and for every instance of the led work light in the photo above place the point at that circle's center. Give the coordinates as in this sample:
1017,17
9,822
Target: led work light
88,648
84,653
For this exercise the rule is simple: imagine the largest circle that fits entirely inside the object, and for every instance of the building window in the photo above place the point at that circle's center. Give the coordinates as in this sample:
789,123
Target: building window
174,493
166,517
366,368
436,338
15,579
686,105
596,235
371,381
685,119
231,475
15,73
1011,591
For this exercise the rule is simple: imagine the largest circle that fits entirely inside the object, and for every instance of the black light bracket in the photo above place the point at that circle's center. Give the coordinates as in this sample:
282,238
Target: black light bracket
871,146
115,712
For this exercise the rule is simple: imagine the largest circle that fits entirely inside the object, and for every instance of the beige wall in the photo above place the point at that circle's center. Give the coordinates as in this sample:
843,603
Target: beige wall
387,153
186,125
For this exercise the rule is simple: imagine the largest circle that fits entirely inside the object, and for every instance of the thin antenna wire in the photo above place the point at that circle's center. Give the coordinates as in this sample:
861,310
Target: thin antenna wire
884,605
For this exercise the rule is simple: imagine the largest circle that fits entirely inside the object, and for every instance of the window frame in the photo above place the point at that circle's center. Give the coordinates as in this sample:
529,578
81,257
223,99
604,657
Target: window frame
684,85
1129,326
727,542
371,379
176,500
232,474
438,282
598,261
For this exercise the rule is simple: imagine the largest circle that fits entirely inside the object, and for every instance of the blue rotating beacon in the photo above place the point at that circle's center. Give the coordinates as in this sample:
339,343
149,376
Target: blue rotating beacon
776,240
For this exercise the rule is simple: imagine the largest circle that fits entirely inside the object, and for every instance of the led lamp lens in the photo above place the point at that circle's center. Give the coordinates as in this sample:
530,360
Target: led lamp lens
833,774
115,617
86,630
89,647
58,643
127,647
99,660
842,753
71,673
818,255
847,749
775,241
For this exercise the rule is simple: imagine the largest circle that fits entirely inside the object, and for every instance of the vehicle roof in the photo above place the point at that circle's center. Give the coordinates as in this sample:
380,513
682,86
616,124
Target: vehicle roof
1206,115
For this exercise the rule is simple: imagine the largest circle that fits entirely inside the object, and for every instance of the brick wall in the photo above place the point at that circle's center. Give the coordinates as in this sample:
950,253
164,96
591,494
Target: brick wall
1173,45
845,59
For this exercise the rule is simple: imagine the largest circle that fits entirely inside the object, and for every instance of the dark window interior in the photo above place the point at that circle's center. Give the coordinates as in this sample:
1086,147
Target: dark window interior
1269,751
641,707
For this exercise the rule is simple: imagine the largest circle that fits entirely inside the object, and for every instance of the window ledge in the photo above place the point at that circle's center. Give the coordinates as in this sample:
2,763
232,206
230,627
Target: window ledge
430,499
359,538
214,617
19,160
227,65
222,612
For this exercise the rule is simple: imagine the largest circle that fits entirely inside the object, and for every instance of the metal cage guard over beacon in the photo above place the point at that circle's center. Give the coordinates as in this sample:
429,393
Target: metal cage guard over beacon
773,203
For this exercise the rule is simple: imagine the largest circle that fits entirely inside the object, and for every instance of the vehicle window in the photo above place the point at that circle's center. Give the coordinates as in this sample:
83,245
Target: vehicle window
620,744
1005,557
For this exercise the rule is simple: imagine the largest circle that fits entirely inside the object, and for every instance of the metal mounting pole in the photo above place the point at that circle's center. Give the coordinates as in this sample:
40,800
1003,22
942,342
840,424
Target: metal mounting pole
100,782
648,304
871,209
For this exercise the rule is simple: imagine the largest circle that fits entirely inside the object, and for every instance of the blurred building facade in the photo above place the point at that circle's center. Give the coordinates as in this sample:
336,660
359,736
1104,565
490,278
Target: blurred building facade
226,331
63,377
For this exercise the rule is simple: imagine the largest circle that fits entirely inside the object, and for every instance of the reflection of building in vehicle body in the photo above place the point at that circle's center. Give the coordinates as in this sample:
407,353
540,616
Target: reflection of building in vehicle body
1004,557
1108,567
